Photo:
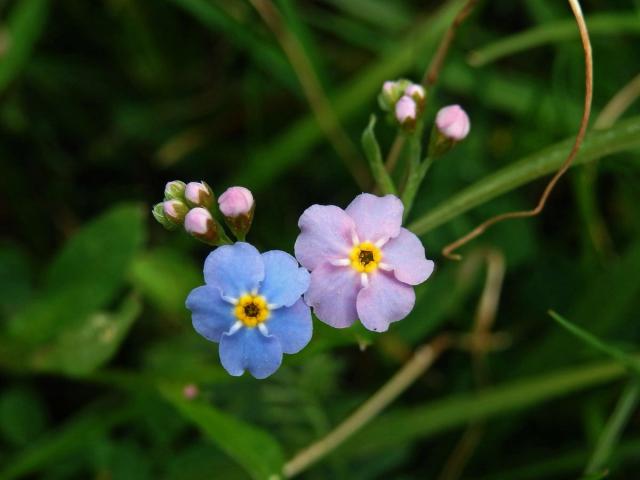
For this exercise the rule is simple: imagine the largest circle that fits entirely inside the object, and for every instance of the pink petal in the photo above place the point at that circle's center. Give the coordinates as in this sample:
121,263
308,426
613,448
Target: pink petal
384,301
405,254
376,218
332,294
325,235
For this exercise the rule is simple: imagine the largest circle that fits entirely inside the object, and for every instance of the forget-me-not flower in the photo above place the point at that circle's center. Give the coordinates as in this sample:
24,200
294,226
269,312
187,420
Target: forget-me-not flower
363,263
251,304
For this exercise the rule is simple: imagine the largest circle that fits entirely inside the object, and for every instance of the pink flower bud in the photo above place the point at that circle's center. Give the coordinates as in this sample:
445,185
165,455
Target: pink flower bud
406,110
388,88
190,391
236,201
415,91
198,194
198,222
174,210
453,122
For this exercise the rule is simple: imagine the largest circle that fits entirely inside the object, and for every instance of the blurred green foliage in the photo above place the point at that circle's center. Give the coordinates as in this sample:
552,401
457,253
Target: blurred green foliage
103,102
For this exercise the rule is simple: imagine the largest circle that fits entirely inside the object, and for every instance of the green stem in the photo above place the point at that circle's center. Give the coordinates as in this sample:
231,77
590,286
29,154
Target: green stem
625,407
413,184
374,157
624,136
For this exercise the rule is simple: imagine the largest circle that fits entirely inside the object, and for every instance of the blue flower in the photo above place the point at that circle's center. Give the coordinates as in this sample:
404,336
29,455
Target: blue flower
251,304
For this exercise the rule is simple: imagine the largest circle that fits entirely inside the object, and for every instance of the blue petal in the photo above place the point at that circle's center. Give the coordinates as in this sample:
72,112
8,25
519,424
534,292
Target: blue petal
235,269
292,326
284,280
211,315
249,349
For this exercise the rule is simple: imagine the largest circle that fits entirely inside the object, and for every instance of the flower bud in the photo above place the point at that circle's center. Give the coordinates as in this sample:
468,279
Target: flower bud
158,214
391,93
406,112
200,224
453,122
237,206
198,194
417,93
174,190
190,391
174,210
236,201
451,126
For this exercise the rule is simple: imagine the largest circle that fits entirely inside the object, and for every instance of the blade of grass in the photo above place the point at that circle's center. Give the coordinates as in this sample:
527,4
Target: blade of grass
561,31
427,420
596,343
263,52
272,160
71,437
610,436
254,449
624,136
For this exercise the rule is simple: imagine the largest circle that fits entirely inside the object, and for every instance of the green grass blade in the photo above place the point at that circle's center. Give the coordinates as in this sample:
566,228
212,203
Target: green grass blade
624,136
613,429
71,437
264,53
255,450
601,24
428,420
25,25
596,343
272,160
374,156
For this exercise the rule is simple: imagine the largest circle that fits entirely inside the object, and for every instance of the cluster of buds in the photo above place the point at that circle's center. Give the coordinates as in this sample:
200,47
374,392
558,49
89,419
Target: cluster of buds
406,100
452,126
193,206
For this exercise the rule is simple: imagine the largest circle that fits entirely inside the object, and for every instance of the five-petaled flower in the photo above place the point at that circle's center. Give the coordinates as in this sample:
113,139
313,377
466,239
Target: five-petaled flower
251,304
363,263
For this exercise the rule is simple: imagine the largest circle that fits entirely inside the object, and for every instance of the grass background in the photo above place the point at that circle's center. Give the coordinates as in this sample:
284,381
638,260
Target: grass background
103,102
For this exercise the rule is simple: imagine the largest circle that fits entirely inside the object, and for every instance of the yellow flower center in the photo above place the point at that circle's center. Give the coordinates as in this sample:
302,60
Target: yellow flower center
251,310
365,257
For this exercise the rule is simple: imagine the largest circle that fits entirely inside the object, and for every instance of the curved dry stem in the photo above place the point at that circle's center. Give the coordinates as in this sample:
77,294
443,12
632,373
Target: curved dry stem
435,67
320,105
409,373
588,59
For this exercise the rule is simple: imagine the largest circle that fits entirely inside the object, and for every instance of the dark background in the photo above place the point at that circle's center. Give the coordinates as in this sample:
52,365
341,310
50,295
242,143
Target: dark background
103,102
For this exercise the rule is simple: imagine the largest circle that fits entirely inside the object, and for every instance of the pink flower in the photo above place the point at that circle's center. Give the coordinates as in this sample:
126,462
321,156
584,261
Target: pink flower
415,91
200,224
363,263
236,201
406,110
453,122
198,194
174,210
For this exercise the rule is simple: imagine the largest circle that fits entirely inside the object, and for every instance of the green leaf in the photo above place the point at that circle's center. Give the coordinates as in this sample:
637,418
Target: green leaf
427,420
25,25
556,32
22,415
595,342
166,277
69,438
80,351
624,136
613,429
372,152
257,451
84,277
15,279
